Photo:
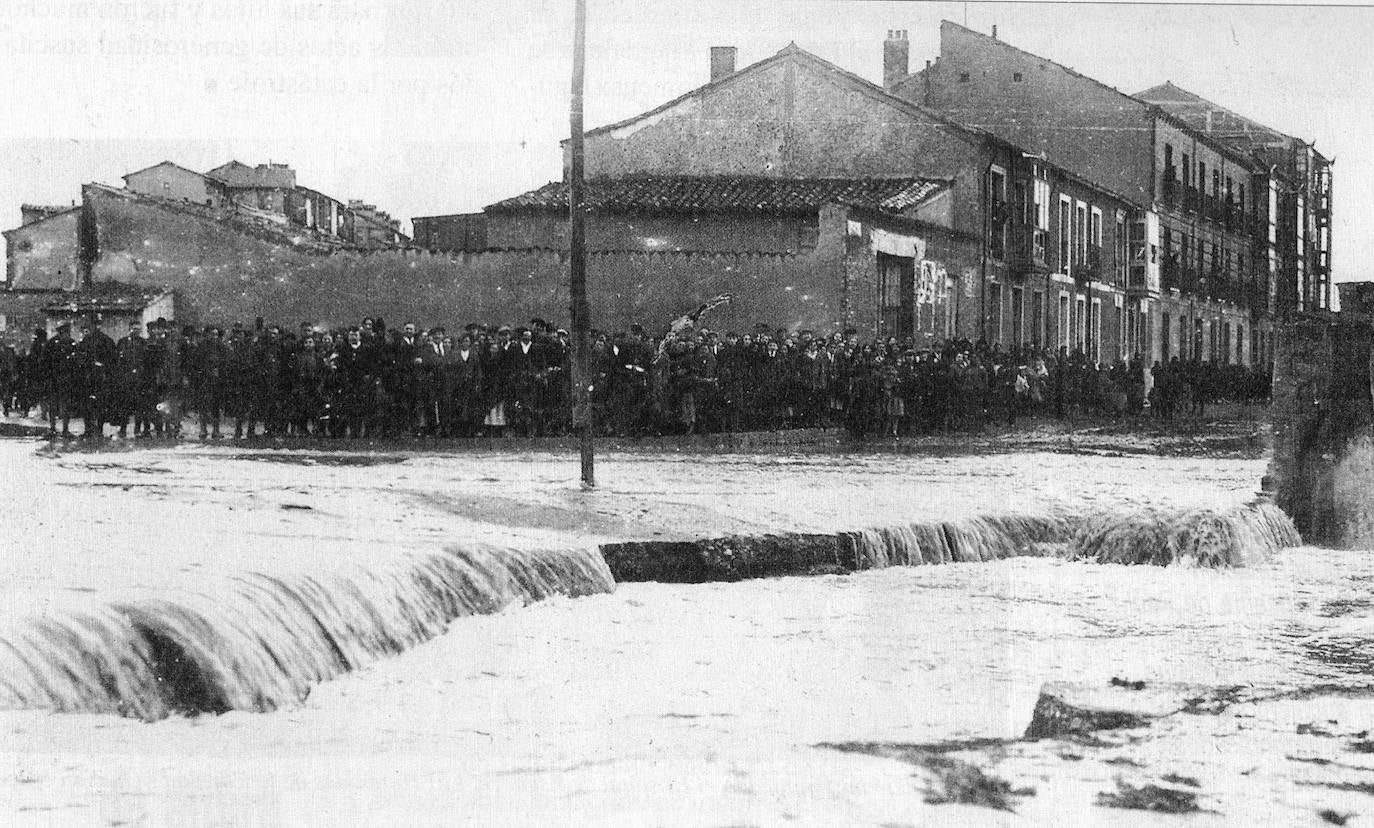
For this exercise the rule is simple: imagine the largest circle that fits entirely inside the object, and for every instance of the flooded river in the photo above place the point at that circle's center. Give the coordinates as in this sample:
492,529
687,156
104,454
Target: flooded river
635,703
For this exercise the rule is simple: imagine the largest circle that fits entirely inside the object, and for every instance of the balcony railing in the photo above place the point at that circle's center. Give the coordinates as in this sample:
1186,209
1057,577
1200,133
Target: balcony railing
1169,187
1028,249
1170,273
1089,268
1191,199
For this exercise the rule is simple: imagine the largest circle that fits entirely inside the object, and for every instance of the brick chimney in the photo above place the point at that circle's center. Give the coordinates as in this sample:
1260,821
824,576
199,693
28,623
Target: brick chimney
896,57
722,61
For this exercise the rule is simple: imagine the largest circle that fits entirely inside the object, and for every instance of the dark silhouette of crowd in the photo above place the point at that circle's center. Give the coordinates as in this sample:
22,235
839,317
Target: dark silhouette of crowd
371,381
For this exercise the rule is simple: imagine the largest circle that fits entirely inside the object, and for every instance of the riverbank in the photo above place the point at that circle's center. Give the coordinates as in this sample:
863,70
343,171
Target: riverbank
1228,430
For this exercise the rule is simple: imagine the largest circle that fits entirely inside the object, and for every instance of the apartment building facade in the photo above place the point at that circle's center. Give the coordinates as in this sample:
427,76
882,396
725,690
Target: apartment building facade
1010,270
1216,246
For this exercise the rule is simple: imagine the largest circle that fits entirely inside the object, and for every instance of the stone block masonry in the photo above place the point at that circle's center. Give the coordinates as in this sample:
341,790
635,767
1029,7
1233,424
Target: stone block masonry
1322,414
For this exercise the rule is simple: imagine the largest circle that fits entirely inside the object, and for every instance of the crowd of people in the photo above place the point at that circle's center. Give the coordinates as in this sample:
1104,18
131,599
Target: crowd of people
378,382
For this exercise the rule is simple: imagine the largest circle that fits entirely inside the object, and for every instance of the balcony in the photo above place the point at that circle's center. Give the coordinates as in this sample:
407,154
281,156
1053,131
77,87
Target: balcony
1089,268
1027,252
1169,273
1192,199
1169,188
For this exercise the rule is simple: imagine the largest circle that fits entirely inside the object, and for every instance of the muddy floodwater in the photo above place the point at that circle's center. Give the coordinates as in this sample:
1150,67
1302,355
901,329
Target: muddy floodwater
635,704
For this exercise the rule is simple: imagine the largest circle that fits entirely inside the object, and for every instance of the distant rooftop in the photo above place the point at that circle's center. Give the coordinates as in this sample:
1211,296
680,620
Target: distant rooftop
729,194
238,174
1211,118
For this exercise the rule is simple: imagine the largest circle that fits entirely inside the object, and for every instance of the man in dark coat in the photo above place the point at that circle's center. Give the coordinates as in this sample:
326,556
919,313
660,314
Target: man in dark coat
62,369
211,359
433,354
357,367
525,362
465,382
238,383
404,354
96,359
131,358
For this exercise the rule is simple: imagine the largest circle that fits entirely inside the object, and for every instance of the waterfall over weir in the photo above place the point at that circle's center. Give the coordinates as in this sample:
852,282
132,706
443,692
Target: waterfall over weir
257,642
1234,536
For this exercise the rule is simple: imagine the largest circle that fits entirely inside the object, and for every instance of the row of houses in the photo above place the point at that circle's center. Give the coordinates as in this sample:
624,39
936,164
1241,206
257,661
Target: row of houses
993,194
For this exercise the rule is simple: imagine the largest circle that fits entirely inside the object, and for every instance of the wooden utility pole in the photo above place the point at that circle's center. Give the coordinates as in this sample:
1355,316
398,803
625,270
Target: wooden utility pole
577,258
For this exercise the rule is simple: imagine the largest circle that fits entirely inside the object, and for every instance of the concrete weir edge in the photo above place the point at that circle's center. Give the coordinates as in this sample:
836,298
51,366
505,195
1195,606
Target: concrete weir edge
1249,532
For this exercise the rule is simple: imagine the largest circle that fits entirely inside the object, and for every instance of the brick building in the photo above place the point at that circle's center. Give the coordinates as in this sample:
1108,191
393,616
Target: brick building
1219,241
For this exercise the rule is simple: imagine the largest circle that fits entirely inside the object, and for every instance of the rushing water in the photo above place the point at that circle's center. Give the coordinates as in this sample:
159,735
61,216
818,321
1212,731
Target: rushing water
211,581
261,635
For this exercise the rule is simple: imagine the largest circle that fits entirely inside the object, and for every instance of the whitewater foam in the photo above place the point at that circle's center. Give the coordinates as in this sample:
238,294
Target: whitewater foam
256,642
1238,536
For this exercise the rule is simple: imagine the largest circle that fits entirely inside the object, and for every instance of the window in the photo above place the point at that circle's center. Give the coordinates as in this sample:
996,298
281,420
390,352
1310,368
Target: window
963,77
951,305
1216,184
1065,232
1120,249
1062,323
997,186
1168,160
1018,314
1201,177
1080,232
1016,76
1042,204
1240,344
1095,331
1164,336
1037,331
996,312
1095,239
1080,325
1187,171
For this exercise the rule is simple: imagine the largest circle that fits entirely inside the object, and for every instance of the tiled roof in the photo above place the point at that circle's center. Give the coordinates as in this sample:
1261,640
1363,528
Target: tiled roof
732,194
1209,117
238,174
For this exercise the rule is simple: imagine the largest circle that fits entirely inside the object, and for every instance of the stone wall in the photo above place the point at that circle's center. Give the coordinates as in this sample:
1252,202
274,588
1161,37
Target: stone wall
710,232
1321,472
44,255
